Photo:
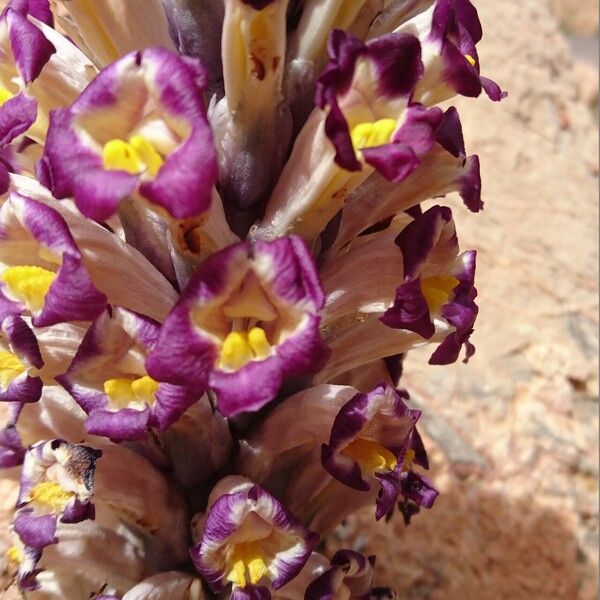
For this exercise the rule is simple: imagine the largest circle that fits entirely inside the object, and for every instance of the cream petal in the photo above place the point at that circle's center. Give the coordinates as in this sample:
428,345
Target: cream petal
364,279
368,340
172,584
111,28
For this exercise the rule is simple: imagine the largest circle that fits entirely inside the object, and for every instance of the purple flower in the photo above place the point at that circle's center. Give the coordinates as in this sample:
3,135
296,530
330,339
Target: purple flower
57,482
108,379
350,576
249,315
449,31
438,283
250,540
20,360
41,269
368,443
139,128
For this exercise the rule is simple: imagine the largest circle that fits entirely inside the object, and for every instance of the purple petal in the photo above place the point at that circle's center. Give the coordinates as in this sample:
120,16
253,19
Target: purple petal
397,59
419,489
250,592
39,9
35,531
17,115
418,238
394,161
71,297
410,310
449,133
12,450
470,185
29,45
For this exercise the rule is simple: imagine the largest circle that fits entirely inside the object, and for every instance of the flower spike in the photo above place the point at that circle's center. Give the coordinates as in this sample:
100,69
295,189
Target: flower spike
216,248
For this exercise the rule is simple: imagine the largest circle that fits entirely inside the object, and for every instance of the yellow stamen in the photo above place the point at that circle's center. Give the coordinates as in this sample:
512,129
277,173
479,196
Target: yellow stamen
368,135
147,153
5,96
370,455
471,60
10,368
28,285
247,558
14,556
240,347
120,156
257,340
235,351
437,291
50,496
123,392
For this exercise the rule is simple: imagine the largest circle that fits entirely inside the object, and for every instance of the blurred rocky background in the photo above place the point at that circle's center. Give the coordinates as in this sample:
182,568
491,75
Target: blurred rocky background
513,436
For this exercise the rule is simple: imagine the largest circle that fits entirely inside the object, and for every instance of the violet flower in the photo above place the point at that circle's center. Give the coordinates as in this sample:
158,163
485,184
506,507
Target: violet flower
216,244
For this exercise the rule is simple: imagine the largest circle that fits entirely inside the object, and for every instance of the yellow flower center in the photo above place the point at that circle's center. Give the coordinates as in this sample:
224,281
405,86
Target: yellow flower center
471,60
49,496
125,392
10,368
437,291
370,455
247,564
368,135
28,285
5,96
14,556
136,156
240,347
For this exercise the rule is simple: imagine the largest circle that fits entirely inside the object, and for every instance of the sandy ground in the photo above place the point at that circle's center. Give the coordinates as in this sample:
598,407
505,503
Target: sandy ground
514,435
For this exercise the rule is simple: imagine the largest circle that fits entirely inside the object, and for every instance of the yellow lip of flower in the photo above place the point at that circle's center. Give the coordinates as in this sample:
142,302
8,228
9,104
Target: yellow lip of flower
247,564
240,347
437,291
50,496
136,156
369,135
28,284
124,392
10,368
371,456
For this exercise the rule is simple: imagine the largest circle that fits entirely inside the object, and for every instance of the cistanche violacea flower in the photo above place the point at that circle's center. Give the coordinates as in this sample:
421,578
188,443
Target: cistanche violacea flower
217,242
